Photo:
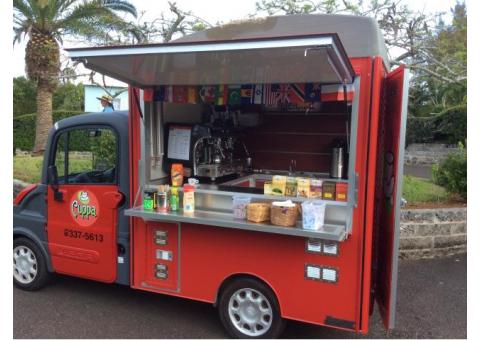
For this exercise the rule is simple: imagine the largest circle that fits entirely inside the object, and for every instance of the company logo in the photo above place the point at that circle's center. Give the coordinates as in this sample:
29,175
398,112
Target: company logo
84,208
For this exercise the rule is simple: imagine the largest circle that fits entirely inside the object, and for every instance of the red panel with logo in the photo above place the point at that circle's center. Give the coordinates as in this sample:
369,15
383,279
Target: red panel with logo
82,231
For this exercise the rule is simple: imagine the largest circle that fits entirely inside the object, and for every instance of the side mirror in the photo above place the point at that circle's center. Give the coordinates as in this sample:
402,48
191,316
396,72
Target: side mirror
53,181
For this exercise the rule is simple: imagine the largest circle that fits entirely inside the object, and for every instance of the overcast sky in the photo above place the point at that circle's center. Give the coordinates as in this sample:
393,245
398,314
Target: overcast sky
215,11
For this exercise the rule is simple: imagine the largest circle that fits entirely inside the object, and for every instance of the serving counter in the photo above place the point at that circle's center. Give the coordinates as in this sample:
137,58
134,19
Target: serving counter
214,208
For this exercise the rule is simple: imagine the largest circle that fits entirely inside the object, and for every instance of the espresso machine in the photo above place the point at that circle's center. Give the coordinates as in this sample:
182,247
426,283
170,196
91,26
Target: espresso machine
217,156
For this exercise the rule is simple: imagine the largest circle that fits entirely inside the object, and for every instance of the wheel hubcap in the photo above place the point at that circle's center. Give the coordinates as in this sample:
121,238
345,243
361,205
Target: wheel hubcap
250,312
24,265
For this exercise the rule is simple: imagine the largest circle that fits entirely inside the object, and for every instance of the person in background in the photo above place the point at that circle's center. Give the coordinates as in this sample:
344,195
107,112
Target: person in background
107,103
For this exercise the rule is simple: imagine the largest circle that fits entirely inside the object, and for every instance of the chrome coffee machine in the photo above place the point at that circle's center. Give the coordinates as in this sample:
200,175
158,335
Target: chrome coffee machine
218,156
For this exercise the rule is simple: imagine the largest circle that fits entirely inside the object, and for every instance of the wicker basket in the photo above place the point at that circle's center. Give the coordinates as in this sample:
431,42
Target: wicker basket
258,212
284,216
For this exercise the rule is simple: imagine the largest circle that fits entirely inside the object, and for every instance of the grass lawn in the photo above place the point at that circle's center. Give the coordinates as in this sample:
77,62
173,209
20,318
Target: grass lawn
29,168
420,190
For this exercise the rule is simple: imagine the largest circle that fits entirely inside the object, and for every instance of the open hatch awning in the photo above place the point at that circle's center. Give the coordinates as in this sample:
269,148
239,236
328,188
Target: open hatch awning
313,58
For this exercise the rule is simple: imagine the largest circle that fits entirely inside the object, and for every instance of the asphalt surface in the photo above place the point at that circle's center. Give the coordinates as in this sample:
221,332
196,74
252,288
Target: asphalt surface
432,303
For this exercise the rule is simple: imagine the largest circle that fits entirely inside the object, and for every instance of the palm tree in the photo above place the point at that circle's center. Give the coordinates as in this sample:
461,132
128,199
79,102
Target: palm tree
45,22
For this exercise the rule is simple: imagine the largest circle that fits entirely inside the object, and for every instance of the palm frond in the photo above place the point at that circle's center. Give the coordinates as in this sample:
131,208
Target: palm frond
22,7
83,11
101,28
121,6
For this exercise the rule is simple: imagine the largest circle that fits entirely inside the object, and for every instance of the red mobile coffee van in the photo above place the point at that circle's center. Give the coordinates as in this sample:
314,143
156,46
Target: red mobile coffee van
235,105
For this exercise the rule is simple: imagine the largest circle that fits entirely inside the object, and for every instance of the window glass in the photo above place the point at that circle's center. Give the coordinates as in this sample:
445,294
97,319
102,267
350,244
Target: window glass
60,157
91,156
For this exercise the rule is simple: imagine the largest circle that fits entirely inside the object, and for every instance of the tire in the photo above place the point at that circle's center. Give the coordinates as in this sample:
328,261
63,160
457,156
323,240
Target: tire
248,308
29,265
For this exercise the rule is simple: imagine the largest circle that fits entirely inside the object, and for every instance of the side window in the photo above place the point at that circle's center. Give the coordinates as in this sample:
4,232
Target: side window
60,157
87,155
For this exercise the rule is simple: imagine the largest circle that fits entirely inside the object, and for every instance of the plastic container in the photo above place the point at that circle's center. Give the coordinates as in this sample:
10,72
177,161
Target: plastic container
162,199
177,174
188,198
149,198
313,214
174,199
240,206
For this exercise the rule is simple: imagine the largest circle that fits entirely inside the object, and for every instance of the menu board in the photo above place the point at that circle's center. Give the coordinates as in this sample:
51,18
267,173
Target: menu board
179,142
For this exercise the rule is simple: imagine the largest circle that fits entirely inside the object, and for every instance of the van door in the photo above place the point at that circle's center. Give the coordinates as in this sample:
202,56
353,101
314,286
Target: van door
391,146
82,223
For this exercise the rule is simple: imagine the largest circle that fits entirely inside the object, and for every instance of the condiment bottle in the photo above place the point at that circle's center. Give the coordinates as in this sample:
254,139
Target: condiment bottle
177,174
188,198
149,197
174,199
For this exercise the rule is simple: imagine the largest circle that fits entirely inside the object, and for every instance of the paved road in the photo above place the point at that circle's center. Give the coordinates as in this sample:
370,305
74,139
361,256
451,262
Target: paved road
432,303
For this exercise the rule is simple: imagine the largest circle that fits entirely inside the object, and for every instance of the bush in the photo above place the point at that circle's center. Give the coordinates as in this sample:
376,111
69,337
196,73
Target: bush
419,130
24,128
448,127
452,173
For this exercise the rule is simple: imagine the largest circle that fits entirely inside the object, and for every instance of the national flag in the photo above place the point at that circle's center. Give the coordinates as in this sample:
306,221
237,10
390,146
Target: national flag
234,95
258,94
207,94
313,92
297,93
270,96
192,95
221,96
246,94
148,95
180,94
159,94
168,94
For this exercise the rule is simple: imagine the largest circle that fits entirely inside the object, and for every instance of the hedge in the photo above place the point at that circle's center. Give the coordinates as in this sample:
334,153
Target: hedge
24,128
449,127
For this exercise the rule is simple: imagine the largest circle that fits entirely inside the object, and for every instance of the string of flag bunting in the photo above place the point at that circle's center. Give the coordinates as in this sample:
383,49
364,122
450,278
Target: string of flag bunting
267,94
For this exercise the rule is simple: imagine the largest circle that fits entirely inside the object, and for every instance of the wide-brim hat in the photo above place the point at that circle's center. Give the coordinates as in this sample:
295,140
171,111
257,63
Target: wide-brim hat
105,98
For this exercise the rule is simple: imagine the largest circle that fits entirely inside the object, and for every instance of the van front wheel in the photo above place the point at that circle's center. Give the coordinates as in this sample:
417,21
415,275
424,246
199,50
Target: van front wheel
249,309
29,268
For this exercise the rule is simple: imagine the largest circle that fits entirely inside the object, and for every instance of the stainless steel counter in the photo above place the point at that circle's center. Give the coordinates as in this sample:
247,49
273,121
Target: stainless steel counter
332,232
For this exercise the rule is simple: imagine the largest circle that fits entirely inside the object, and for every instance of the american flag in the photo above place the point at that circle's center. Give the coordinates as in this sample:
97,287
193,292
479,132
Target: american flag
277,94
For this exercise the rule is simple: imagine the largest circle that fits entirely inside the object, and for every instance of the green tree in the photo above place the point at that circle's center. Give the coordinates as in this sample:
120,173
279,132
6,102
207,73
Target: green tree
439,92
435,52
45,22
69,97
24,93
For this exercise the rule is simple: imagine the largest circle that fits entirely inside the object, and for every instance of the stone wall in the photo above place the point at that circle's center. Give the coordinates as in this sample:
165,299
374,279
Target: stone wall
18,186
428,233
427,154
